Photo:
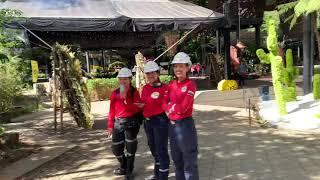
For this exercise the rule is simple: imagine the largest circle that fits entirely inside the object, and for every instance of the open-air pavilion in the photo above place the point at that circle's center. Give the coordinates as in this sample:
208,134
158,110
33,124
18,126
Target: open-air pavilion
103,25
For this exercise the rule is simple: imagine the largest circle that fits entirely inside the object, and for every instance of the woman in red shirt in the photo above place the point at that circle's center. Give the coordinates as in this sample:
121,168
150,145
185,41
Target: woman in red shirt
157,123
182,131
123,124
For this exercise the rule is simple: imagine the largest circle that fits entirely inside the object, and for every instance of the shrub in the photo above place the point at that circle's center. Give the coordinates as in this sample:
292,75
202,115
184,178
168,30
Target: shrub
166,78
100,89
316,86
11,85
225,85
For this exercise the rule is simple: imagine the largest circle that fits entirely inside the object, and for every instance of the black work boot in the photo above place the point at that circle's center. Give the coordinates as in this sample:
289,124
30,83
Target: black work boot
152,177
130,166
119,171
123,166
128,176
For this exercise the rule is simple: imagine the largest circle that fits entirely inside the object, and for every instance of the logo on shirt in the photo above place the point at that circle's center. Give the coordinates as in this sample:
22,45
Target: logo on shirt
155,95
191,93
184,89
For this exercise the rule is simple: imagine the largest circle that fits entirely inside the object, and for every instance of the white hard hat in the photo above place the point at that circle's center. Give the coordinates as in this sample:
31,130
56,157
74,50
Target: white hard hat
151,66
124,73
181,58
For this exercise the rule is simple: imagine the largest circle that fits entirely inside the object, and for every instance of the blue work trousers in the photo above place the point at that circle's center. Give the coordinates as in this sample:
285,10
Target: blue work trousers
156,129
184,148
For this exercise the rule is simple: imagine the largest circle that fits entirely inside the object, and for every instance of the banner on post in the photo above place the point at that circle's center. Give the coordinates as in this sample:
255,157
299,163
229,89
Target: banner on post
35,71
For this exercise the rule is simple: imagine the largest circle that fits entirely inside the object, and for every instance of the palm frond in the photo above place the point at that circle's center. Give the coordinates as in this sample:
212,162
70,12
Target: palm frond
284,8
301,7
293,21
313,5
289,18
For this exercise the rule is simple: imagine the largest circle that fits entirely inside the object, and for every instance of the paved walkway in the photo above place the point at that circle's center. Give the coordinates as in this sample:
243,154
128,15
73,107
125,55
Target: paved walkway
228,149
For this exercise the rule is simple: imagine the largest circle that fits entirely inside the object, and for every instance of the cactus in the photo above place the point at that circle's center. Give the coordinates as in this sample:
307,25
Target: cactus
290,75
277,67
316,86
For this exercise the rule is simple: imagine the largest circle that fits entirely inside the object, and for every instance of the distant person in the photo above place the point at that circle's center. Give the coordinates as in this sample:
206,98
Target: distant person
193,69
236,54
242,74
198,68
203,69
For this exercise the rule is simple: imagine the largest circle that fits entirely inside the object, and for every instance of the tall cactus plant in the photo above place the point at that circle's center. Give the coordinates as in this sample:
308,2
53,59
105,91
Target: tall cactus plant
277,67
291,73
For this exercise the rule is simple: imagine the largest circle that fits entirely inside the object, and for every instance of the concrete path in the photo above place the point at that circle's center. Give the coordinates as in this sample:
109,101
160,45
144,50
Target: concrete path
228,149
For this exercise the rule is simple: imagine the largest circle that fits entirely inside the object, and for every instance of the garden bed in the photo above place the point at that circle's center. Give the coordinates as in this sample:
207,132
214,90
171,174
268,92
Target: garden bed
301,114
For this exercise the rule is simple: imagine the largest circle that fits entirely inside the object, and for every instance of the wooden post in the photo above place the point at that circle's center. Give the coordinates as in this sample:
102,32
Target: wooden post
250,119
227,65
87,60
61,99
61,69
54,92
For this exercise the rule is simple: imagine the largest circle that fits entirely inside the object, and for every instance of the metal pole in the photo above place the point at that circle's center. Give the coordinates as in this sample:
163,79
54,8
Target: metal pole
218,42
227,65
312,48
306,54
239,23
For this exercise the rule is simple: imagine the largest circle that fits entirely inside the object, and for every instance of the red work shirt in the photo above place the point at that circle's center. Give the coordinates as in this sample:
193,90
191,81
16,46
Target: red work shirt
153,98
123,108
179,99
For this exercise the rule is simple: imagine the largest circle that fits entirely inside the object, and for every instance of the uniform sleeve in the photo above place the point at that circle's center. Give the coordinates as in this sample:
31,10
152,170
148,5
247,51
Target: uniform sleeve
111,111
187,101
166,99
130,103
143,96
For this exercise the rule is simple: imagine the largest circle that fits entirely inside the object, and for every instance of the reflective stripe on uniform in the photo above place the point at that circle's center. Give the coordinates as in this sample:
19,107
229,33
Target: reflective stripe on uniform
129,154
121,156
129,140
117,143
157,163
163,170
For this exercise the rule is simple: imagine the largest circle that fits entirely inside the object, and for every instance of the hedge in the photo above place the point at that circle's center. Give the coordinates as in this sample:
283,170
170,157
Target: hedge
101,88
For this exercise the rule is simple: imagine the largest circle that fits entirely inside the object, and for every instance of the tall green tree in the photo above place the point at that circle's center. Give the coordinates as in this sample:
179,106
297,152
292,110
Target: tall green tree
7,37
